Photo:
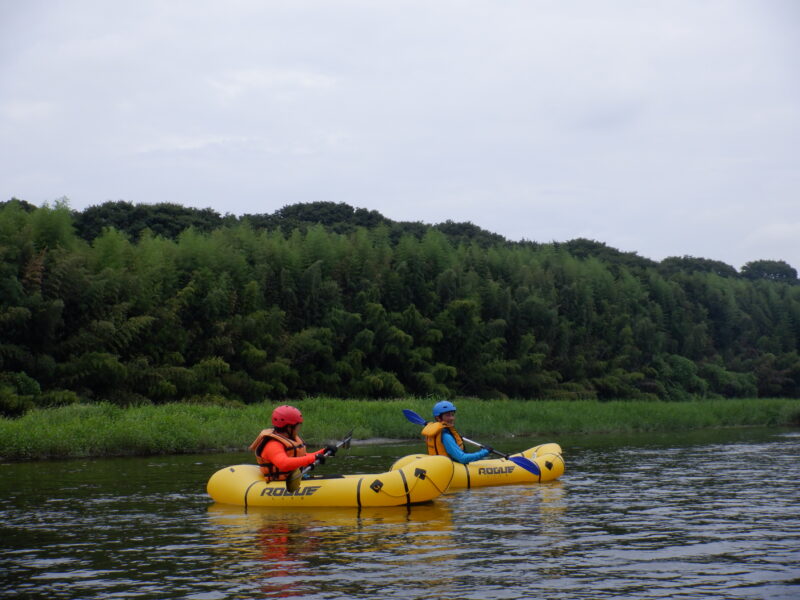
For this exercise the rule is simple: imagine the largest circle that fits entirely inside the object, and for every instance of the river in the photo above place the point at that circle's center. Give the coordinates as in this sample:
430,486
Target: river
703,515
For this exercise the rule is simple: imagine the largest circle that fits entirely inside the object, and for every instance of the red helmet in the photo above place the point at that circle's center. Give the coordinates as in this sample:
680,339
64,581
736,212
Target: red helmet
286,415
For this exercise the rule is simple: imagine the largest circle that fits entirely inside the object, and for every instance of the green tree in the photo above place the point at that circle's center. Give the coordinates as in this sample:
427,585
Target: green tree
774,270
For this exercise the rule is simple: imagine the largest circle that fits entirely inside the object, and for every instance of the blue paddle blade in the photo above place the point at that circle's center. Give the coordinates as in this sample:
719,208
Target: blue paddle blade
526,464
414,417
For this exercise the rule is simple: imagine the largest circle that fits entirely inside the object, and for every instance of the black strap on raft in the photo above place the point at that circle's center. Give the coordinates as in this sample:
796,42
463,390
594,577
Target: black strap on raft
469,479
405,483
247,491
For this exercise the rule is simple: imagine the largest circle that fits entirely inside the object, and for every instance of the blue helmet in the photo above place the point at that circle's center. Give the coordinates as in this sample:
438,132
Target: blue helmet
443,407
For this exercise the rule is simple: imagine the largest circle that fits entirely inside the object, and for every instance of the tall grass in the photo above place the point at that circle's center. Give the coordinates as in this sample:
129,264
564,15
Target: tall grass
107,430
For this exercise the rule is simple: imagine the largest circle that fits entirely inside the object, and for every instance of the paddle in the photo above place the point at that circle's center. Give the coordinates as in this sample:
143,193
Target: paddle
520,461
296,476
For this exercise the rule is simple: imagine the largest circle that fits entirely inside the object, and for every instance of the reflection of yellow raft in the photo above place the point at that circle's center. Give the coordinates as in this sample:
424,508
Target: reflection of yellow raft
501,471
243,485
329,518
280,542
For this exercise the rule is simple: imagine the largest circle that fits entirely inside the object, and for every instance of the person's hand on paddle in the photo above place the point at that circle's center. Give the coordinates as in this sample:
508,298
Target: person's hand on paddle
317,458
320,456
329,450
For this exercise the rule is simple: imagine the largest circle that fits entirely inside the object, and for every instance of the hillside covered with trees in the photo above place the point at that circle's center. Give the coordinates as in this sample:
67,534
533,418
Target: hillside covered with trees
161,303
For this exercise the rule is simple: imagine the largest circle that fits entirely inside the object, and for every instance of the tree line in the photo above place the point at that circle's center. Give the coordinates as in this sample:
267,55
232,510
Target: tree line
162,303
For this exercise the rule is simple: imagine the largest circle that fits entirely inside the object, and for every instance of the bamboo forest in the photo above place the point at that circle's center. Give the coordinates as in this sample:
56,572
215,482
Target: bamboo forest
133,304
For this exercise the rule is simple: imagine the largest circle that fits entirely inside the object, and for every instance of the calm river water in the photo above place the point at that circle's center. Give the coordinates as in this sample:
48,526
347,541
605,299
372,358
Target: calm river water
704,515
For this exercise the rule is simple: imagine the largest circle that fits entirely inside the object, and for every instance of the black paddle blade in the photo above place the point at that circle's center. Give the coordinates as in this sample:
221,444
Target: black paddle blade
345,443
293,480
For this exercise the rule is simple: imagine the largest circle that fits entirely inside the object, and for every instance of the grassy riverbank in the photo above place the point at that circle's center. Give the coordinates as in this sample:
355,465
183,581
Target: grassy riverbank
106,430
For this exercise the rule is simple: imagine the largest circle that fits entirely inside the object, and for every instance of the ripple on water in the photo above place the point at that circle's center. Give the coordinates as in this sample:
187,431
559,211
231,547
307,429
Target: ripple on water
699,520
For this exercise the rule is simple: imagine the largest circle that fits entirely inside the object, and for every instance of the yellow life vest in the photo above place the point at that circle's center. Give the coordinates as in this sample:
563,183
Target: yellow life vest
294,447
433,437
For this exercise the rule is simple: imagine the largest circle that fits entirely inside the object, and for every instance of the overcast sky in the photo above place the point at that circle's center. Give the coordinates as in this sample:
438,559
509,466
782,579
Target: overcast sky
666,128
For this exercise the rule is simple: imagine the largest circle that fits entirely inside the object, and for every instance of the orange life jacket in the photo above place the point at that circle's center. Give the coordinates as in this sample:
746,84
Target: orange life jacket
294,447
433,437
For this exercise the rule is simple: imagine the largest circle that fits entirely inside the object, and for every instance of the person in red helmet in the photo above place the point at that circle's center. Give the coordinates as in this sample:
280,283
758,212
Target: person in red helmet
280,450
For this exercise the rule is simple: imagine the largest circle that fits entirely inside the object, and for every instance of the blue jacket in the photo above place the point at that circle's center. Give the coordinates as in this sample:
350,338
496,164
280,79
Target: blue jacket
457,454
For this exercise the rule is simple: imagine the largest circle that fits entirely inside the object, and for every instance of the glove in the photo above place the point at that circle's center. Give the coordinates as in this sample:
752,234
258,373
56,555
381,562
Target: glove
331,449
320,460
488,449
484,453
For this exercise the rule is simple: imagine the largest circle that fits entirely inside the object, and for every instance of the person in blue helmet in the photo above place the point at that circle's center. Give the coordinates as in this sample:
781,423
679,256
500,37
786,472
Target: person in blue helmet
443,439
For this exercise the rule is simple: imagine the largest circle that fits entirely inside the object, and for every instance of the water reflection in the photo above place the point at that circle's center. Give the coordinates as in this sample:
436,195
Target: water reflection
421,551
660,517
295,551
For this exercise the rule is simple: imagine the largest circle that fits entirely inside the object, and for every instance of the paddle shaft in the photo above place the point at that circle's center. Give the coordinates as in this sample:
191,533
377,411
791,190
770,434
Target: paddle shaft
293,480
344,442
492,450
520,461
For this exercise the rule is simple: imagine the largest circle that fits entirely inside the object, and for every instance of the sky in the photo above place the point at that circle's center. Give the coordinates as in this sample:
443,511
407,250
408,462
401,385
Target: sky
665,128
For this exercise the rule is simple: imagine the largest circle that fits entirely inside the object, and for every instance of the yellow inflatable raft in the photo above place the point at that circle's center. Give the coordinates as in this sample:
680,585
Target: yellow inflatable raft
422,481
500,471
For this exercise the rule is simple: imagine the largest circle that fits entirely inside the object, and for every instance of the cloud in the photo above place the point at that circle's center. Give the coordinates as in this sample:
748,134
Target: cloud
177,143
662,129
775,241
234,84
22,111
